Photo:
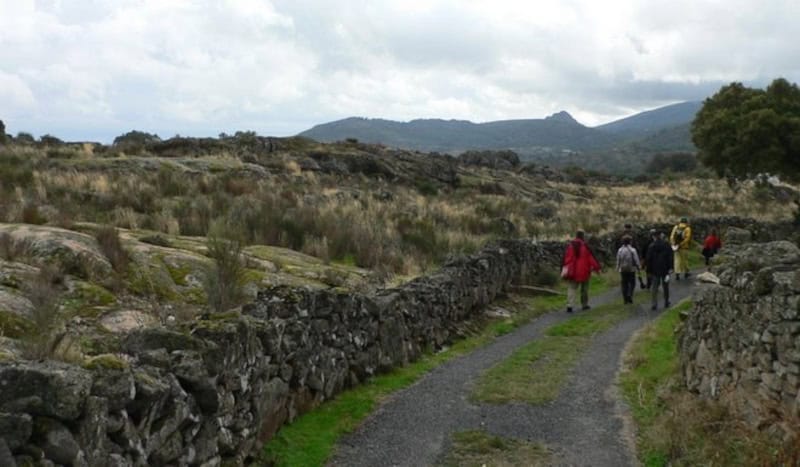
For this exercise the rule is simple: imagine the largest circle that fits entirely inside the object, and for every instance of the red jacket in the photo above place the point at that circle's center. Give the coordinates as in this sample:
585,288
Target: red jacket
580,261
712,242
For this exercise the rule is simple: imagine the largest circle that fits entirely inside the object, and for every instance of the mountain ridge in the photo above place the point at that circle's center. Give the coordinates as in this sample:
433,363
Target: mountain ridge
656,130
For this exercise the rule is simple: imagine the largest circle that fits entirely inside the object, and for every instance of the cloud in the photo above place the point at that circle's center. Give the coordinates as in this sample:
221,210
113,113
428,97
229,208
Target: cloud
94,69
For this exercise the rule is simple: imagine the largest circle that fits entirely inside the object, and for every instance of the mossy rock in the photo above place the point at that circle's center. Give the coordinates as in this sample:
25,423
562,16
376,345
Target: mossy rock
13,325
106,362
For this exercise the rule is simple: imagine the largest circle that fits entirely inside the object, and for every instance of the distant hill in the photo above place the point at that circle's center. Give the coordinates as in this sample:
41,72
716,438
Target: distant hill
652,121
637,136
557,131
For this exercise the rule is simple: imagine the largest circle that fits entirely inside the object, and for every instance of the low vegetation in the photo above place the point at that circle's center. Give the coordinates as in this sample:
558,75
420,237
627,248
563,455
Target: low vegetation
676,428
478,449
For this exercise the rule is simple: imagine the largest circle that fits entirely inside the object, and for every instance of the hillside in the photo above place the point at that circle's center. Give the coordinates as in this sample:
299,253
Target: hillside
127,231
623,146
453,136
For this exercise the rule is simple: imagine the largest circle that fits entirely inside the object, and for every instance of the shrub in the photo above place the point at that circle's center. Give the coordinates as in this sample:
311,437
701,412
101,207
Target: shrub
224,280
50,140
9,249
31,215
24,138
45,336
111,246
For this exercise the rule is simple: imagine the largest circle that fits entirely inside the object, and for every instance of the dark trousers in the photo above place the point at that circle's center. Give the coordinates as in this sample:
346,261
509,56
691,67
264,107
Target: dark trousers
628,286
659,280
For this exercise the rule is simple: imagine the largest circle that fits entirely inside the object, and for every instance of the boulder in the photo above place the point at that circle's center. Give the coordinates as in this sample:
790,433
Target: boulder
51,389
737,236
124,321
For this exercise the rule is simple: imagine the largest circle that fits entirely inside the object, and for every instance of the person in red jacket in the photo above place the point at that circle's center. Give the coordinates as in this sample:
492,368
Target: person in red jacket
711,245
577,268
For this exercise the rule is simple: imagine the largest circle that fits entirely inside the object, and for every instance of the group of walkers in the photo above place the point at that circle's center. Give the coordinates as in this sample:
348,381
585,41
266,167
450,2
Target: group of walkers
659,256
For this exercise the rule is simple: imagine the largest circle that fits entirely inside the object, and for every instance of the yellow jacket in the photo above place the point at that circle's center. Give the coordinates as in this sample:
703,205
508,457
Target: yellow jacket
687,235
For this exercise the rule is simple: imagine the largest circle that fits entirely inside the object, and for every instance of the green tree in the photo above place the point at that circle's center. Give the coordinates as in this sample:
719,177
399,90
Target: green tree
2,132
742,132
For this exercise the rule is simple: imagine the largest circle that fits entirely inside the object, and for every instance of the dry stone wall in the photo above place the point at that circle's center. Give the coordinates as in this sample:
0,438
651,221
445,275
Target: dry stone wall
741,342
212,392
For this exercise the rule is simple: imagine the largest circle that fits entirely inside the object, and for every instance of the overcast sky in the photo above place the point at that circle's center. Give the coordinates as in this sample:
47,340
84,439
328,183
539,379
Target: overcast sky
92,69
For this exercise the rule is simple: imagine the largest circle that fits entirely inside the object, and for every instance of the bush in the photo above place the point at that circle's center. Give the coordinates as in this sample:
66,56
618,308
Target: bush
45,336
50,140
24,138
224,281
31,215
111,246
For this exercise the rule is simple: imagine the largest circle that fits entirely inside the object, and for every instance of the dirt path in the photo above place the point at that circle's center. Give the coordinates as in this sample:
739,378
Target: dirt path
582,425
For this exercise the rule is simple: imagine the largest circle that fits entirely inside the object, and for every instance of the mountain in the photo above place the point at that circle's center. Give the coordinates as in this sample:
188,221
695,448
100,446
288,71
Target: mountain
650,122
556,131
548,139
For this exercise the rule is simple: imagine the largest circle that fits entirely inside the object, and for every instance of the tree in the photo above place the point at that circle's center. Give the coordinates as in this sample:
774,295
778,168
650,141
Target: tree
743,132
2,132
136,138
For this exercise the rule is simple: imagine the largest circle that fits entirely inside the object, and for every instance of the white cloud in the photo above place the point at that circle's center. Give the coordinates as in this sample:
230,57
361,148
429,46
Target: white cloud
93,68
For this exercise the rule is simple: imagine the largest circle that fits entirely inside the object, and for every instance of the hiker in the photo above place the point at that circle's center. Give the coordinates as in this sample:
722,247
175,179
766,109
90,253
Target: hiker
711,246
681,239
628,265
627,230
660,259
651,238
577,267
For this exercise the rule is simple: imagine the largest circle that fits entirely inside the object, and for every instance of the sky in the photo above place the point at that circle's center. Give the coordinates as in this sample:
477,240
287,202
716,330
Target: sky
91,69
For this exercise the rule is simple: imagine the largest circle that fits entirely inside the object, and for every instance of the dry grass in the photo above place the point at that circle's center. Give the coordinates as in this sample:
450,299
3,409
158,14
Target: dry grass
355,219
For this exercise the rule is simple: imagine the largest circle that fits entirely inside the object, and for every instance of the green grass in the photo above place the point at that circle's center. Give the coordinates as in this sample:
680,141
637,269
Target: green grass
654,360
310,439
476,448
674,426
536,372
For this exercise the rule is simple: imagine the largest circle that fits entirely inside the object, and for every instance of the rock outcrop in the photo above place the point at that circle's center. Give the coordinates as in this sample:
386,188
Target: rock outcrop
741,342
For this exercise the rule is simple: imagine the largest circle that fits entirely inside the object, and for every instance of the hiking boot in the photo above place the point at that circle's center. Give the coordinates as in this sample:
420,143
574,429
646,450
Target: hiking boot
666,304
585,307
686,276
677,276
569,309
654,307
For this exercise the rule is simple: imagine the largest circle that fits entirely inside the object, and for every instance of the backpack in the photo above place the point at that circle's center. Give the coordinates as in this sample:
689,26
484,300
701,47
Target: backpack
679,235
626,261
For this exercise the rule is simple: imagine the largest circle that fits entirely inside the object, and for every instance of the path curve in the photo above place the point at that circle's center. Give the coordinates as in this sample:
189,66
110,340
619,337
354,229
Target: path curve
583,425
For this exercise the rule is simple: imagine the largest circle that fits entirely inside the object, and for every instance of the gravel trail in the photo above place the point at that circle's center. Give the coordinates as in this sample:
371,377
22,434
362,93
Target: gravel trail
583,425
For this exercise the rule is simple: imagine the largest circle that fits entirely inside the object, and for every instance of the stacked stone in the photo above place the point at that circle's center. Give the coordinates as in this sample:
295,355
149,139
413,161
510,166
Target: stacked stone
215,390
741,342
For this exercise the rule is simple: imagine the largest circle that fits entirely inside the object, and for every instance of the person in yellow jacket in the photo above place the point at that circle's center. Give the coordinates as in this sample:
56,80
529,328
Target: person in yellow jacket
681,239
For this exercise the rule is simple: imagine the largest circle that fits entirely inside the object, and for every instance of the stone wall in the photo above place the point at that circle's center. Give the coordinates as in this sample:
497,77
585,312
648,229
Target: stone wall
215,390
741,342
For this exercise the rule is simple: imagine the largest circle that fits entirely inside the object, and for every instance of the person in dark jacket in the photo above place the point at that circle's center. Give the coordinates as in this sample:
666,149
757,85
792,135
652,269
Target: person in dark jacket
660,260
651,237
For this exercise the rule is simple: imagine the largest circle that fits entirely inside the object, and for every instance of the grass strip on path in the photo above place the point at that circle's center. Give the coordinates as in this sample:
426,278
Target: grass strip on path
536,372
476,449
309,440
